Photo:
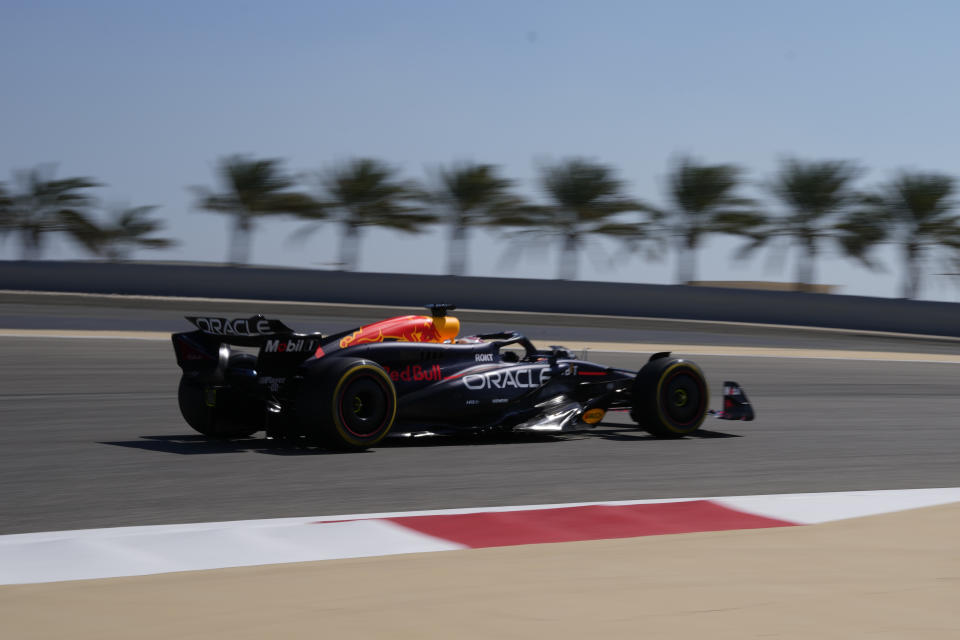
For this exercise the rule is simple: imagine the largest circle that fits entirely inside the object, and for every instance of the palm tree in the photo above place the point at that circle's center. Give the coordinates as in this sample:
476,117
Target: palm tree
919,210
822,206
367,192
703,201
43,205
131,228
252,188
473,195
585,196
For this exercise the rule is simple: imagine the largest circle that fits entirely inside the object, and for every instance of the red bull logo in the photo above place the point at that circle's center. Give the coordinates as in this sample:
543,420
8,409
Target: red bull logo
404,329
416,373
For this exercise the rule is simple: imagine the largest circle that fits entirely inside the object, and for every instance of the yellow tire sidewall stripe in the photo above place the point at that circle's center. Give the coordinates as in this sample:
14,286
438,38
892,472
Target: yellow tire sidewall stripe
335,405
668,423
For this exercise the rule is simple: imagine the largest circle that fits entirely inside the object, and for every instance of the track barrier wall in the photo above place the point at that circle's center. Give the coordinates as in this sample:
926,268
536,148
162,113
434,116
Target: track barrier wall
504,294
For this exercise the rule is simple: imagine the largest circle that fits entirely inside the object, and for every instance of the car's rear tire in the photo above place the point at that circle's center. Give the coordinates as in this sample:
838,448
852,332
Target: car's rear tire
670,398
233,414
347,404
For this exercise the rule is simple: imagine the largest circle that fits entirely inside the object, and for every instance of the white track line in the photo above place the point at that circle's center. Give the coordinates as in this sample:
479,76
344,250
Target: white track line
84,334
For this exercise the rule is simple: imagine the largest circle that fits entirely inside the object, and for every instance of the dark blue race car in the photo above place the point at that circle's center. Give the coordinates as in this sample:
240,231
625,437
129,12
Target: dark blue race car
412,375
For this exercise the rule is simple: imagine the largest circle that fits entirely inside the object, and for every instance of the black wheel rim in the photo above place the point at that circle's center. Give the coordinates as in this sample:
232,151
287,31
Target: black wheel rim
682,397
364,406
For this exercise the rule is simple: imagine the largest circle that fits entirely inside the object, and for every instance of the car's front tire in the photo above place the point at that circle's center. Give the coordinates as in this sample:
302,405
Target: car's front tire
670,398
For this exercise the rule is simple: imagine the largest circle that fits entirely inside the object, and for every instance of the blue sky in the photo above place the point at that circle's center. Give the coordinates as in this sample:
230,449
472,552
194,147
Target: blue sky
146,96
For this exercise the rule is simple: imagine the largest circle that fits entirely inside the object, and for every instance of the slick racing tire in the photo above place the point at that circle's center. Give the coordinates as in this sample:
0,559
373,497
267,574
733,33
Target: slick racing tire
670,398
348,404
233,414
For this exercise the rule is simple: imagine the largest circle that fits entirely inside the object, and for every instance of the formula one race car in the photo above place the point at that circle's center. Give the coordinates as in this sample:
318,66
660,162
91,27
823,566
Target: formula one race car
411,375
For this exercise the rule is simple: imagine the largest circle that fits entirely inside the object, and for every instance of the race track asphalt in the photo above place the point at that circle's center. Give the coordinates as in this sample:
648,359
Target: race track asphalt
54,312
90,436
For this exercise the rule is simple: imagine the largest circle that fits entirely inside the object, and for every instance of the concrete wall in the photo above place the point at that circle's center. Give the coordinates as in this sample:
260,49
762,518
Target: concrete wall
511,294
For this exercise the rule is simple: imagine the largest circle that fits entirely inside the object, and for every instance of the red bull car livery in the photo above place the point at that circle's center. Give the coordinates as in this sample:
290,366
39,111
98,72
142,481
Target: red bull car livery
412,375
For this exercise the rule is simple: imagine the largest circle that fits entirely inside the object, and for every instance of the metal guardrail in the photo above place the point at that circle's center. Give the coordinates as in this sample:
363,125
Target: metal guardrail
507,294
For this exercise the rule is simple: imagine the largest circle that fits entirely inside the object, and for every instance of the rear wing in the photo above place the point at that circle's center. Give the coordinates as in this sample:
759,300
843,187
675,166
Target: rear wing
280,349
250,332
